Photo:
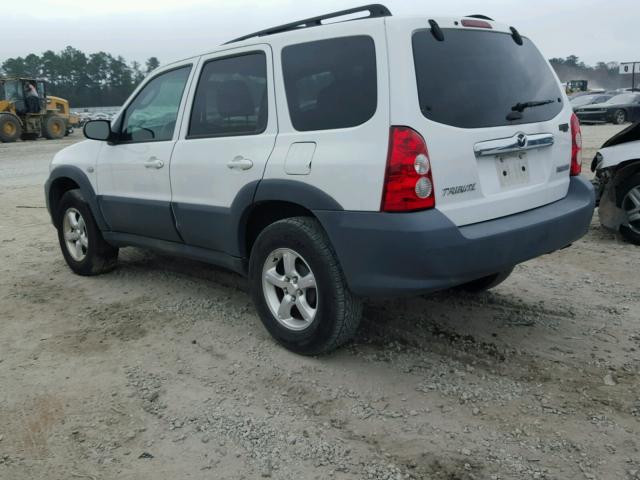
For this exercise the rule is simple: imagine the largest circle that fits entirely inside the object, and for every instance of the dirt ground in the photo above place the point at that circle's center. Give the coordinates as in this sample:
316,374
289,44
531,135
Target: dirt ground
161,370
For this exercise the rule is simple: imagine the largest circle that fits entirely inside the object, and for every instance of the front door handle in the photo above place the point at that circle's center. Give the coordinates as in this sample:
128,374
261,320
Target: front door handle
240,163
154,162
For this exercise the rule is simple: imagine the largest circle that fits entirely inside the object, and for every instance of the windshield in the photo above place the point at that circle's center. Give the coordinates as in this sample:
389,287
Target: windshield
583,100
10,90
473,79
623,99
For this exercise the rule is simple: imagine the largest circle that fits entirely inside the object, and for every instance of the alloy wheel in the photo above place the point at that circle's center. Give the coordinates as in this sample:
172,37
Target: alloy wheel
74,229
631,207
290,289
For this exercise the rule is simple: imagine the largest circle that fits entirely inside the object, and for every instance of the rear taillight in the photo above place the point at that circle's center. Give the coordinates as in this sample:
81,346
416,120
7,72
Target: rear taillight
408,183
576,146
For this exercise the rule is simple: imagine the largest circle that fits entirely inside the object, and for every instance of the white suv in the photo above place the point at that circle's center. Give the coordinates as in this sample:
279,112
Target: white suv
333,161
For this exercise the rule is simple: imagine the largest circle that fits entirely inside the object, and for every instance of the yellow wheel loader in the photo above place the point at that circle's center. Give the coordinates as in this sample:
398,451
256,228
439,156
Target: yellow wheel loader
28,116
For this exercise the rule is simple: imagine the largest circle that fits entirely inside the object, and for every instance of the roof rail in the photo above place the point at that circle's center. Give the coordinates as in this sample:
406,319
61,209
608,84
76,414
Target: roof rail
375,11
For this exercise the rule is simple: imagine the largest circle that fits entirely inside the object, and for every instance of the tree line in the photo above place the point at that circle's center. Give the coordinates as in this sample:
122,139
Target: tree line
94,80
101,79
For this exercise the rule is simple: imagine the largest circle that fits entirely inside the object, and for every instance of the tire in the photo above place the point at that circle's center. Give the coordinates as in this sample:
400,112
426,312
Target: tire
629,192
619,117
54,127
333,313
486,283
10,128
77,228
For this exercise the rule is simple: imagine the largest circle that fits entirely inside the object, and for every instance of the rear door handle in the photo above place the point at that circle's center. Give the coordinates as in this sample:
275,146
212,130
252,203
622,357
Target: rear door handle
240,163
154,162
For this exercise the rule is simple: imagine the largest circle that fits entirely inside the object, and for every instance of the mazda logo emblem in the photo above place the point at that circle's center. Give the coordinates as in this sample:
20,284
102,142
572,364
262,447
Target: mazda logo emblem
522,140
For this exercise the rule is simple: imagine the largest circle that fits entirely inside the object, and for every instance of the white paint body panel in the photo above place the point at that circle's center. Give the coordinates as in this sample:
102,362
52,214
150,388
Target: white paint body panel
348,164
451,148
122,169
617,154
83,155
199,172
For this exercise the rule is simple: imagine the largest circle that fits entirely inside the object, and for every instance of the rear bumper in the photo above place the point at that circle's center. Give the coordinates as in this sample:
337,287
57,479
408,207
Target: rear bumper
403,254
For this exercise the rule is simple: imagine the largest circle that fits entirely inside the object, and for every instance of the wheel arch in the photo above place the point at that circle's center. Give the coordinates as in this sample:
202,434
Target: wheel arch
274,200
68,177
623,171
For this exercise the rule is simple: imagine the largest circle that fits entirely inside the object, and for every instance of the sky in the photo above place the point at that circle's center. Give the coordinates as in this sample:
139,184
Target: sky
594,30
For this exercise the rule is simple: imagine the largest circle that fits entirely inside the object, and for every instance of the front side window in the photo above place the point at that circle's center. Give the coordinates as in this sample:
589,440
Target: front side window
152,115
231,97
330,83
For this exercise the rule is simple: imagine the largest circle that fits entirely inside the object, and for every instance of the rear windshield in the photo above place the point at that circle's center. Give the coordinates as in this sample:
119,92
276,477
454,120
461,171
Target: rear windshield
473,78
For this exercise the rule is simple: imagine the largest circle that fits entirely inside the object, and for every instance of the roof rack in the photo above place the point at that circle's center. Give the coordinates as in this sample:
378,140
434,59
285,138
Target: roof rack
375,11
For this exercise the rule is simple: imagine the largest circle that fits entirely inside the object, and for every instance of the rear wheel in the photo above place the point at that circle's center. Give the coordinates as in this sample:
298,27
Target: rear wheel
630,193
83,247
299,289
619,117
54,127
10,128
486,283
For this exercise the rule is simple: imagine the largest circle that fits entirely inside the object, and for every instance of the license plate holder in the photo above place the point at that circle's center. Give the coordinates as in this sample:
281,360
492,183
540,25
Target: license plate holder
512,170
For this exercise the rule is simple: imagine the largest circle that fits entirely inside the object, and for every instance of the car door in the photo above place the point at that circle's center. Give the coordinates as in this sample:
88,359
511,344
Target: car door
224,145
635,110
134,191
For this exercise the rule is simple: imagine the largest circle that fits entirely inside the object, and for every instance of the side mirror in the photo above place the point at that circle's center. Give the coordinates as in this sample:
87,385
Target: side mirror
98,130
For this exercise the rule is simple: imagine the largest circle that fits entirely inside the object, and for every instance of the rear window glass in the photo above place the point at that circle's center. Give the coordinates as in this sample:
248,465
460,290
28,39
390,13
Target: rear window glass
473,79
330,83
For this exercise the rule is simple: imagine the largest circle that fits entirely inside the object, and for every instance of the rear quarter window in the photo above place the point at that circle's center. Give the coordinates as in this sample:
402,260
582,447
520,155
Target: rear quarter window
330,83
472,79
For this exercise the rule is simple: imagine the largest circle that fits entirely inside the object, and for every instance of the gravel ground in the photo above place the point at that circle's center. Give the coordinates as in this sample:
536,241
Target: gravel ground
161,370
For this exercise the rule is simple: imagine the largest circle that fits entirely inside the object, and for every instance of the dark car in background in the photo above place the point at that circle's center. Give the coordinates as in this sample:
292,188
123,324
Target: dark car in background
619,109
584,100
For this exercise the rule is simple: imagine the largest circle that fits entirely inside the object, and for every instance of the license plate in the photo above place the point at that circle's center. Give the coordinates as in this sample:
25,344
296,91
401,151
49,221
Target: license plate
512,170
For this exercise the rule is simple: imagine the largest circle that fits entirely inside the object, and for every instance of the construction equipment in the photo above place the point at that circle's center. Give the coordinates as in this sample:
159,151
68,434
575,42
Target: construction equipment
60,106
575,86
30,118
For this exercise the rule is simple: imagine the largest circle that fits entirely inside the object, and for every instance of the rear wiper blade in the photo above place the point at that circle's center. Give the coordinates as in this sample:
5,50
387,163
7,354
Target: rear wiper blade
521,107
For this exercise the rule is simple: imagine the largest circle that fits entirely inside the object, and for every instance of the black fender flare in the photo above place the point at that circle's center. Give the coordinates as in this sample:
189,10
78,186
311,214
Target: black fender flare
75,174
275,190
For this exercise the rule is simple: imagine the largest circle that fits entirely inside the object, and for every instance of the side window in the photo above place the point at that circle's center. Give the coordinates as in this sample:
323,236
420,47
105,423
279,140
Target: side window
152,115
231,97
330,83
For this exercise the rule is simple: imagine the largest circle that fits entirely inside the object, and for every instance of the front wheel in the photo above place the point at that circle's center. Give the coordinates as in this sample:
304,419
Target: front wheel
299,289
486,283
630,193
83,247
10,128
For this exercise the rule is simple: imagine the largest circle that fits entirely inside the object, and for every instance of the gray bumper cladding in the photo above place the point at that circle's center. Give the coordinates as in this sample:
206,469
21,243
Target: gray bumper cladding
403,254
